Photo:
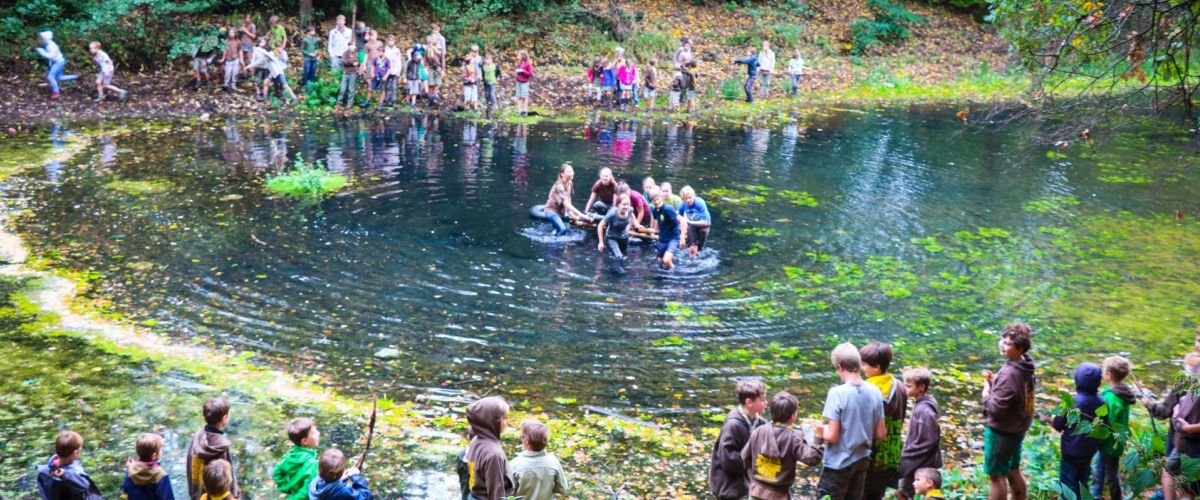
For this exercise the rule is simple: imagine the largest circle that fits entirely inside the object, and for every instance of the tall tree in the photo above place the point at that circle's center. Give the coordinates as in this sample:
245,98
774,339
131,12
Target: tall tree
1099,64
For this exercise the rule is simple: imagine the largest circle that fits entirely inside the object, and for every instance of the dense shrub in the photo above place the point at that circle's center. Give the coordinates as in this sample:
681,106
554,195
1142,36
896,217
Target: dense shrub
889,25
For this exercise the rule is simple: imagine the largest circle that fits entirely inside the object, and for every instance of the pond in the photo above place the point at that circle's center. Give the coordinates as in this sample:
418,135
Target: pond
426,278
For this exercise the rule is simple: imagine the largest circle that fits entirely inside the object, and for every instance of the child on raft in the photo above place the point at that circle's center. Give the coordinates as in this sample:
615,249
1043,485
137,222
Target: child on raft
558,202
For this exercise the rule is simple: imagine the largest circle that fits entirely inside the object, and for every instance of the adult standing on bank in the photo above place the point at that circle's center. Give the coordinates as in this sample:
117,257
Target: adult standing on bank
766,67
339,41
49,50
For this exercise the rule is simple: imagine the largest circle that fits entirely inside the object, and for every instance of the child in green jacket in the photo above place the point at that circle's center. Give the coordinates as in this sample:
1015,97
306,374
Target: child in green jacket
296,470
1118,398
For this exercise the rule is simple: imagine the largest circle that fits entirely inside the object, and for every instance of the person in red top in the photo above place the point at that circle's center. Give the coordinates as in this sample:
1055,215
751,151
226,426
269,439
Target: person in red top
641,209
524,75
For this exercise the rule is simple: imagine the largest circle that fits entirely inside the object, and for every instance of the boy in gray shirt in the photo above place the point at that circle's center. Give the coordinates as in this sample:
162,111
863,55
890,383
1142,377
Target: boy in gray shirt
536,475
853,421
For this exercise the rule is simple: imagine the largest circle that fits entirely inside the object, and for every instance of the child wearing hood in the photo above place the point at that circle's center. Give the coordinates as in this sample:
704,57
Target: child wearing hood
1075,466
727,478
773,451
144,478
50,51
1118,397
336,482
209,444
885,454
923,444
1008,412
486,463
298,467
62,478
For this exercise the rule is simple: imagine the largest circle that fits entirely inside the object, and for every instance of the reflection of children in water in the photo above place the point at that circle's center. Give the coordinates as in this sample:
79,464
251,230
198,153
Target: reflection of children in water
623,145
520,160
433,147
108,151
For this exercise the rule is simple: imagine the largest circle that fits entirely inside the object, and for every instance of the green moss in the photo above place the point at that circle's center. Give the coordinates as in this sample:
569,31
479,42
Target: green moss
306,181
140,187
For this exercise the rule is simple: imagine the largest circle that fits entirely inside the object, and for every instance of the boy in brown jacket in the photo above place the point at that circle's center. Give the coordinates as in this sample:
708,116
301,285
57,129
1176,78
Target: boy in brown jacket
1008,410
487,464
727,478
210,444
773,450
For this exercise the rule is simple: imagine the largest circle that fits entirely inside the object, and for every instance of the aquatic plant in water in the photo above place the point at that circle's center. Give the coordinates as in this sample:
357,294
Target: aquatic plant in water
306,180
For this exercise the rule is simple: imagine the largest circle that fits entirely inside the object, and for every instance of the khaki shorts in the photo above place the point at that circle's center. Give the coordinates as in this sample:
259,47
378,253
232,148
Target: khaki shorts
435,77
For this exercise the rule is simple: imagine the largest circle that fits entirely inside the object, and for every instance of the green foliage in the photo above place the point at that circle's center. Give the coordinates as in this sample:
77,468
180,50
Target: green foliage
731,89
322,93
890,25
306,181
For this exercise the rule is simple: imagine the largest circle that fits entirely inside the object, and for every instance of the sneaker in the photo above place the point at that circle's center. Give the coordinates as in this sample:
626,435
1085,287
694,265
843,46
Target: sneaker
54,96
98,98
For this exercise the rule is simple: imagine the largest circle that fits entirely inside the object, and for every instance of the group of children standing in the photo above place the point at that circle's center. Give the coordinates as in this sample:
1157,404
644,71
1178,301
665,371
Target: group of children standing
858,442
760,66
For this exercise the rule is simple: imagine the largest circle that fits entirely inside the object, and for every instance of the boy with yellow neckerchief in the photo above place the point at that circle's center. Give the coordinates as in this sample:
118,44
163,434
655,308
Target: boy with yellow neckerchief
773,450
928,483
885,454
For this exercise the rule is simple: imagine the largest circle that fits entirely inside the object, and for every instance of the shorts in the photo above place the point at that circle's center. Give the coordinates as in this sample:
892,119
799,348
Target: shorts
200,64
649,94
673,98
104,78
522,89
377,82
261,75
626,87
247,46
1001,452
435,77
666,246
849,482
696,237
280,79
606,88
689,96
414,87
471,93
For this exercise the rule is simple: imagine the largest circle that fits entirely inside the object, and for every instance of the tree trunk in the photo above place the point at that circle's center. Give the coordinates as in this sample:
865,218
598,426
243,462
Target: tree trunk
306,13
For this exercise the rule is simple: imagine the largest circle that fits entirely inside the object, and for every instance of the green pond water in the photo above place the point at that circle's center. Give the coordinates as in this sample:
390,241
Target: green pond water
897,226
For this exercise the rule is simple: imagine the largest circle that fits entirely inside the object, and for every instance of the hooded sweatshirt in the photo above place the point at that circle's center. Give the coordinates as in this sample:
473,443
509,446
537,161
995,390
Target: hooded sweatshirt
923,448
67,482
295,471
1118,398
726,470
1009,407
771,457
146,481
486,462
885,454
1087,383
207,445
354,488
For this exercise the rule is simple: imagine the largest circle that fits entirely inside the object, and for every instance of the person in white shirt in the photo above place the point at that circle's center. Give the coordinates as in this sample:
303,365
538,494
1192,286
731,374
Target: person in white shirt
795,69
49,50
104,75
339,41
436,40
766,66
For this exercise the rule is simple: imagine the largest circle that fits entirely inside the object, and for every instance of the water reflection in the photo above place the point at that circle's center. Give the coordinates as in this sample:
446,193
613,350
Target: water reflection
432,252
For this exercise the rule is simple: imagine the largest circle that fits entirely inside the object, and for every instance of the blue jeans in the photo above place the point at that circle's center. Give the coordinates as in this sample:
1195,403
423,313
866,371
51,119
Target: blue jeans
310,72
795,84
749,88
1106,474
56,75
560,227
1075,473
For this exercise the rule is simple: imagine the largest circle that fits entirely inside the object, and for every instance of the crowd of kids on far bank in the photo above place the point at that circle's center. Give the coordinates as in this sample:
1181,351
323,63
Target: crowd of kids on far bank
393,74
859,440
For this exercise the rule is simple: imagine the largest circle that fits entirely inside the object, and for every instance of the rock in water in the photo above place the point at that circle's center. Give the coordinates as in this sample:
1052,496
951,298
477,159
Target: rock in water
387,353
